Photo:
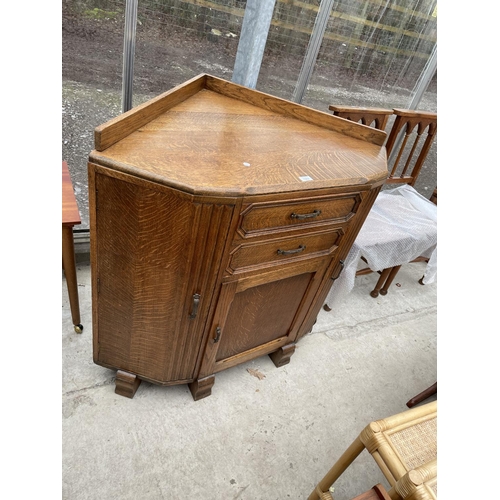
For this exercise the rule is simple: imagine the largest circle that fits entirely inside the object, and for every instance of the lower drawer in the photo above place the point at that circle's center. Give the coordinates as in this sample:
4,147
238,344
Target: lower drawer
281,250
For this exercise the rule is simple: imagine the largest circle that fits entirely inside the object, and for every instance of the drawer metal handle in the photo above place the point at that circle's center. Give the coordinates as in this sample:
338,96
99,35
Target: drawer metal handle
341,262
305,216
290,252
196,303
217,334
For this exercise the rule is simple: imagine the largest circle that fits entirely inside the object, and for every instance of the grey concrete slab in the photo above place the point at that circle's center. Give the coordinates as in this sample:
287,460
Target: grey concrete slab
269,438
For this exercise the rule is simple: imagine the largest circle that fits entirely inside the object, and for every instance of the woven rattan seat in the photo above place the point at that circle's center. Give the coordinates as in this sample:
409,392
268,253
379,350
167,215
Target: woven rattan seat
404,447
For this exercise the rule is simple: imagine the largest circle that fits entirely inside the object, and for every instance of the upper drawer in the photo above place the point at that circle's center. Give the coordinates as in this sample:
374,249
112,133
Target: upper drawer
259,218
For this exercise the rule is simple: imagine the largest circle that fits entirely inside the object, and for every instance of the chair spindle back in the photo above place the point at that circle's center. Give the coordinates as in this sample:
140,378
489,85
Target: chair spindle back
374,117
408,129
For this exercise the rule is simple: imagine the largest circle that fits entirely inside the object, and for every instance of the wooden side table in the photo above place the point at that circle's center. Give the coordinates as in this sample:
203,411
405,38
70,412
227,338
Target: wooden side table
70,218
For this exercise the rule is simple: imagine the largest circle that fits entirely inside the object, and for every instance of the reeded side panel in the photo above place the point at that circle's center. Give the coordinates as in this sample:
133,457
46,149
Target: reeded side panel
147,244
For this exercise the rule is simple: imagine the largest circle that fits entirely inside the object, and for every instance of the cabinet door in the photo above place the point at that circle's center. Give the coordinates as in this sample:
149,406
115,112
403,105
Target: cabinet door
261,313
156,257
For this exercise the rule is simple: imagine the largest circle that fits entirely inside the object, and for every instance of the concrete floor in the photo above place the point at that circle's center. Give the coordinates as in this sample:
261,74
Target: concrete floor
252,439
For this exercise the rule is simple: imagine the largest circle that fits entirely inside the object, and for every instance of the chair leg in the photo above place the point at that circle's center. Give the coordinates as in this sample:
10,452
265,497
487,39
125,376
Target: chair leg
390,278
337,470
380,283
430,391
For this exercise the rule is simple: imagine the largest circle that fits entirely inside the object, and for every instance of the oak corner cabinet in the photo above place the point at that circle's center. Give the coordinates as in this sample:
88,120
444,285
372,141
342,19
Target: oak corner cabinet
219,216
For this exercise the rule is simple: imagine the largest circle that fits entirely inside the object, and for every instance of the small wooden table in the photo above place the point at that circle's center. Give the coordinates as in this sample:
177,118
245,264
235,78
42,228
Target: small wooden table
70,218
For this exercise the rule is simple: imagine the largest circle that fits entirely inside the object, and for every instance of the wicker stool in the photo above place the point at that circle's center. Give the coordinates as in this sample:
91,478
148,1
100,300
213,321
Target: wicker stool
405,449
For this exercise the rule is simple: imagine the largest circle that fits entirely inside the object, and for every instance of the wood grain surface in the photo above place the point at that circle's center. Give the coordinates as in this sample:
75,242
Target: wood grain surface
261,314
143,278
294,110
218,216
284,250
213,142
258,218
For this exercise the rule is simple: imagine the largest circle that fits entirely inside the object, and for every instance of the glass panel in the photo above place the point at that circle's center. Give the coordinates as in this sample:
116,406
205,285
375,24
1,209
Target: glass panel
372,54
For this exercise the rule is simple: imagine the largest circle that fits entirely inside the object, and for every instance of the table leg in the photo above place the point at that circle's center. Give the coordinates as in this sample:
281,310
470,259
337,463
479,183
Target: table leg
69,266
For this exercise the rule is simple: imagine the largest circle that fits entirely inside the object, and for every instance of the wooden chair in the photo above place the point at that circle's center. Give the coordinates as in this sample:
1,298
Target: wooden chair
404,446
374,117
70,217
411,125
408,143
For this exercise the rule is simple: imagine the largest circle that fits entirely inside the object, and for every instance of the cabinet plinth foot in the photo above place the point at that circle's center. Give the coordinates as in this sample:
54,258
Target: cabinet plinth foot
126,384
282,356
202,387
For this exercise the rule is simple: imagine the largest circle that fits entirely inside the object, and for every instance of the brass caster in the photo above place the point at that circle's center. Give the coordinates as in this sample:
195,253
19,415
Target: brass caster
374,294
78,328
383,292
326,308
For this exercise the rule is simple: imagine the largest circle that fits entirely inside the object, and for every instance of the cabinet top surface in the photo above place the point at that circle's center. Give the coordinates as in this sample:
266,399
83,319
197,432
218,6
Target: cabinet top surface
204,141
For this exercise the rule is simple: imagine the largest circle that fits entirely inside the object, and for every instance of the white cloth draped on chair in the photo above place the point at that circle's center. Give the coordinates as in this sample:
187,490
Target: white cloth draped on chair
401,226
